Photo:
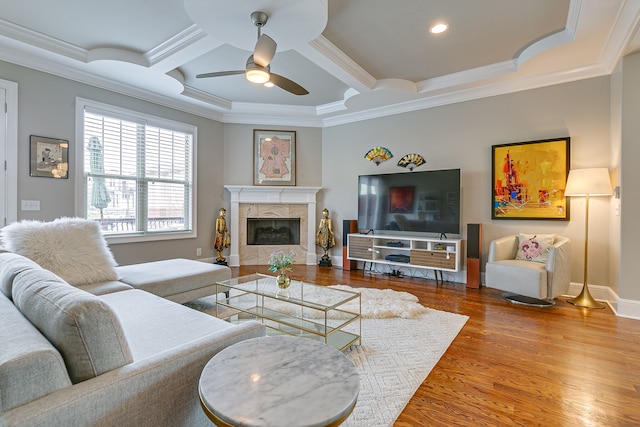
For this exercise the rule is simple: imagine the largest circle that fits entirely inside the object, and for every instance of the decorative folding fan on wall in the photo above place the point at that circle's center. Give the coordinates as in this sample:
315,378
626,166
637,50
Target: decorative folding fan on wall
411,161
378,155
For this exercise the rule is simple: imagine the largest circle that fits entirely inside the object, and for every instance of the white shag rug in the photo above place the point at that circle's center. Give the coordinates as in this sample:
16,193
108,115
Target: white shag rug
397,352
375,303
384,303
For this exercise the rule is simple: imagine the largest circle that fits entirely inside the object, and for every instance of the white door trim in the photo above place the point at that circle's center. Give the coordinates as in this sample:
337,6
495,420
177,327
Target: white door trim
9,146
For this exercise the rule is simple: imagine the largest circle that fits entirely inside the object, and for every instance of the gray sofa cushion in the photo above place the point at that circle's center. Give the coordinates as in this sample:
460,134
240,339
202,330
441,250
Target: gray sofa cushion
174,279
101,288
72,248
173,324
30,367
83,328
10,265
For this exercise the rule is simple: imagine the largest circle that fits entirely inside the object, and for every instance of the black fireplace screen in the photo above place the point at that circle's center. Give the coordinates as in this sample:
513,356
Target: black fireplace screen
273,231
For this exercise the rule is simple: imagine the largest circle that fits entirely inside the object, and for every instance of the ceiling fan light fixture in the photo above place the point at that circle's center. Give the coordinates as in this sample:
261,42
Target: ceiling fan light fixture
256,75
438,28
257,69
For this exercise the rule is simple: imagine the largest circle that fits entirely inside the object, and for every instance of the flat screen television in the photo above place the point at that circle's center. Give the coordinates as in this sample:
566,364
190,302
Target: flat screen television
410,202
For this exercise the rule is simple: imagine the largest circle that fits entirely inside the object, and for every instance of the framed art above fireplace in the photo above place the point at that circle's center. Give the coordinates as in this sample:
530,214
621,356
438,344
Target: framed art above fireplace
274,157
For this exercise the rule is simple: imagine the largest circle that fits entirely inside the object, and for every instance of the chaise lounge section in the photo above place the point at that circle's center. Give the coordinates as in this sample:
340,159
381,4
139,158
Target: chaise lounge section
118,356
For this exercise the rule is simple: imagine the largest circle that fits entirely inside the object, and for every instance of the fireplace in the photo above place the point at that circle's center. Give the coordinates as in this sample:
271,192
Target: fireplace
271,203
273,231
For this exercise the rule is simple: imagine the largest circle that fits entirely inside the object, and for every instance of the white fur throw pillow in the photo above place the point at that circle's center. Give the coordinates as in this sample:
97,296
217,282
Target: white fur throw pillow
72,248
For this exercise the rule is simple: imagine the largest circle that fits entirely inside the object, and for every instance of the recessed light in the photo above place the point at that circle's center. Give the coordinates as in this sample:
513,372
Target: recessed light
438,28
268,84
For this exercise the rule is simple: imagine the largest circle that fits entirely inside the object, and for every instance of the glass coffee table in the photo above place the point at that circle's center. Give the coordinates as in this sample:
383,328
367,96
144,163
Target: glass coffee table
305,309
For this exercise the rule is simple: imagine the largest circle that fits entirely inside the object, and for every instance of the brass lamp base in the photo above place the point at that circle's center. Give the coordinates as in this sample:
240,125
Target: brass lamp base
584,299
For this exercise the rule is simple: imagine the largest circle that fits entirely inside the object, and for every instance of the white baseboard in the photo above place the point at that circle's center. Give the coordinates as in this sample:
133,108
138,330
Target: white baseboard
621,307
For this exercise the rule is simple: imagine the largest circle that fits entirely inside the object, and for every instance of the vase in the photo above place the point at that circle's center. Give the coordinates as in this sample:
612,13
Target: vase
283,285
283,280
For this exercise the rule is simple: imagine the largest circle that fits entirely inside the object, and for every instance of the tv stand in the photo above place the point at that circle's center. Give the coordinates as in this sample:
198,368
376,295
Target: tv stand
405,251
395,273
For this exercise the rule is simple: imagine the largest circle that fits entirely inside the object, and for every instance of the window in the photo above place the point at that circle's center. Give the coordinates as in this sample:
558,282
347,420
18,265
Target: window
137,172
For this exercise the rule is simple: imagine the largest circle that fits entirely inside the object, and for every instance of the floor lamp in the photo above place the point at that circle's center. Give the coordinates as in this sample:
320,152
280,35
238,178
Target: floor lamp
587,182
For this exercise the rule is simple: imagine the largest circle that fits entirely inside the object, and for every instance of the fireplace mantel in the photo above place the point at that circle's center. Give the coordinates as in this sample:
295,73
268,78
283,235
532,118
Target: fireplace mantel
271,195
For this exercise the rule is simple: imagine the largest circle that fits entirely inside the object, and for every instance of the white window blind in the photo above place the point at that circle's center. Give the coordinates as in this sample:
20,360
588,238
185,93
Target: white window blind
138,173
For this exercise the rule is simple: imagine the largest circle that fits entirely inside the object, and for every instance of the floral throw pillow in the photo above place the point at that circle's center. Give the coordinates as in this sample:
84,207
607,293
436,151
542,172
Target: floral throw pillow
534,247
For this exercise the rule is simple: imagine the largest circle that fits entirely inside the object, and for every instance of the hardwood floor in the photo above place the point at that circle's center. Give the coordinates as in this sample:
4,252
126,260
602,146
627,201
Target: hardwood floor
513,364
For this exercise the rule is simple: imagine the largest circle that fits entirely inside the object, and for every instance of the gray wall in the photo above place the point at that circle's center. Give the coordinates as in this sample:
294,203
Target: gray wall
614,167
461,136
47,108
238,154
628,286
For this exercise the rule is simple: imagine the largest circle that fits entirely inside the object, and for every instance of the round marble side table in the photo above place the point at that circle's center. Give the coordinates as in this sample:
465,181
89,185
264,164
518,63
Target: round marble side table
279,381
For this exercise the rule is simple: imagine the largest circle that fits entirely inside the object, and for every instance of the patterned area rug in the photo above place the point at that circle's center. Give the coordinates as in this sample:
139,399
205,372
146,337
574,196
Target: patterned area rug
397,353
395,357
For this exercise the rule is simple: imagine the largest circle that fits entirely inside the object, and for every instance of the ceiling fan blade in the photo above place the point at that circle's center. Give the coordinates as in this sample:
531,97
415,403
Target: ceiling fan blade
220,73
288,85
264,50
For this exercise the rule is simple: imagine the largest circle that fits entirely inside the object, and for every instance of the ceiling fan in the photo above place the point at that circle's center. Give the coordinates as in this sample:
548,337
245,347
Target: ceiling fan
257,68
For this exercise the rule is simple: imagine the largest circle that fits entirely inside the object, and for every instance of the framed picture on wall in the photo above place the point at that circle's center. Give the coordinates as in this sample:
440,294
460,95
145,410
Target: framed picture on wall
274,157
49,157
529,180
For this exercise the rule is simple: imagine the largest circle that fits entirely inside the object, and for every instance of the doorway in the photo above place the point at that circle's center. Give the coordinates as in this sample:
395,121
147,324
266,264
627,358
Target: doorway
8,152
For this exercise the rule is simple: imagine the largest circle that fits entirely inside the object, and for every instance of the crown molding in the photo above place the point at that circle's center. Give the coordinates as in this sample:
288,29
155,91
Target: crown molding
43,53
175,44
622,33
225,111
326,55
267,114
33,38
471,93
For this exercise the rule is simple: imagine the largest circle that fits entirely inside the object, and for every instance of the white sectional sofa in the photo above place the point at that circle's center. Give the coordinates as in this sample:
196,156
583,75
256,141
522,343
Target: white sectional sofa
105,353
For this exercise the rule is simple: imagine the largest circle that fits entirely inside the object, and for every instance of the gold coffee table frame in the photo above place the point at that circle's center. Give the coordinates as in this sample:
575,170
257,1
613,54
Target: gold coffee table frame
309,310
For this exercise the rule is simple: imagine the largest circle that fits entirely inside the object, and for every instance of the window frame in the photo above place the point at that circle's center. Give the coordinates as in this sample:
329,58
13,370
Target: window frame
80,196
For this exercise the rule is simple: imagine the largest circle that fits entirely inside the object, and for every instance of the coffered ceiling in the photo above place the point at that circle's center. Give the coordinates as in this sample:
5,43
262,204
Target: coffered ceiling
358,59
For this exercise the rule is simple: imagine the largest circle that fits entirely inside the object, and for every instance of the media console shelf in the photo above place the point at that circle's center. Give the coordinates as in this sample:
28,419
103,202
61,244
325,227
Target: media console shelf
405,251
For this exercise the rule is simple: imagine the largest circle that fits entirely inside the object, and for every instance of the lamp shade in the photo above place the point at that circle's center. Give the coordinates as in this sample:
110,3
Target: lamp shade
588,182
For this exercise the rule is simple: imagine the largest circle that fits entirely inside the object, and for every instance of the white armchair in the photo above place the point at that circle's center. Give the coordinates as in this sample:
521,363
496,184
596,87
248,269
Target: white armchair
541,280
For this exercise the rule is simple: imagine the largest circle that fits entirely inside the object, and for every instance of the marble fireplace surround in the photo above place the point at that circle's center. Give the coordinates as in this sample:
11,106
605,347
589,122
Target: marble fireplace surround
271,202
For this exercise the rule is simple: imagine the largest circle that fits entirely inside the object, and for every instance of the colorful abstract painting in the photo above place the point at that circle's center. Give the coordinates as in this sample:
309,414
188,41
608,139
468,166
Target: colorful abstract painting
529,179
